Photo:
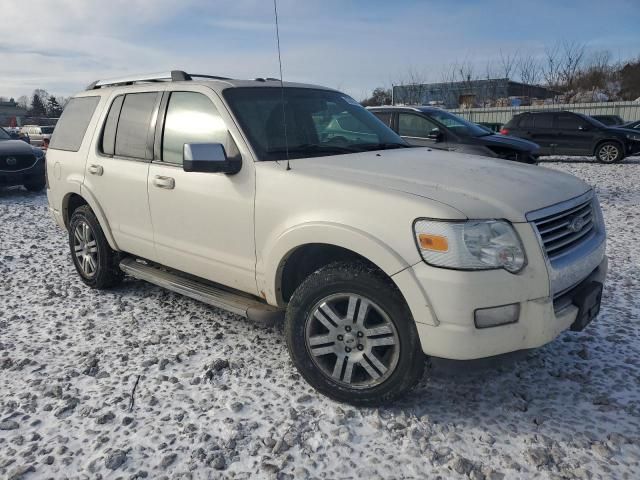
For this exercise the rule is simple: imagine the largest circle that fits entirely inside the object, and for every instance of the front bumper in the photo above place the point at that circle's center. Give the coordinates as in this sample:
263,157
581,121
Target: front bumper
541,320
32,174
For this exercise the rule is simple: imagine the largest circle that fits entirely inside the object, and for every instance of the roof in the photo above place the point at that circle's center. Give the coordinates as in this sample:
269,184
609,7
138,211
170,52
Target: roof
181,77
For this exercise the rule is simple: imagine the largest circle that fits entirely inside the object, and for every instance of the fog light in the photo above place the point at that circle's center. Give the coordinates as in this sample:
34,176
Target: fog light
495,316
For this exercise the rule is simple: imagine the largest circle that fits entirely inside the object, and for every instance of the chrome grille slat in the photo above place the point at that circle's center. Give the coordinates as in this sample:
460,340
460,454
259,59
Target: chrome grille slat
550,238
551,218
557,231
567,241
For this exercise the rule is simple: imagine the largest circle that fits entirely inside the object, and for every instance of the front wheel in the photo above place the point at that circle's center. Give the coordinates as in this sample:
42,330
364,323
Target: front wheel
352,337
609,152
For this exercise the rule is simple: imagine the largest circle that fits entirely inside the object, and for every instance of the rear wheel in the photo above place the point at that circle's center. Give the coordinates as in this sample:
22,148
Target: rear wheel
95,261
352,337
609,152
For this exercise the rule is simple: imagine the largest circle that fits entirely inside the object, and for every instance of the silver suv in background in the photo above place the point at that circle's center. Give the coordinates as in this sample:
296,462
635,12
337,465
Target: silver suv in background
38,133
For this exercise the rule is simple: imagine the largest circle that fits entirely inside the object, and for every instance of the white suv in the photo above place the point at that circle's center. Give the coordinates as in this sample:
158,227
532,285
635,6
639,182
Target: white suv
262,198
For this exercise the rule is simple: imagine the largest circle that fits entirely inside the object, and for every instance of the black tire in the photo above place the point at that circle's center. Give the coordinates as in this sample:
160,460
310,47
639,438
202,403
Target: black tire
366,282
35,186
609,152
107,272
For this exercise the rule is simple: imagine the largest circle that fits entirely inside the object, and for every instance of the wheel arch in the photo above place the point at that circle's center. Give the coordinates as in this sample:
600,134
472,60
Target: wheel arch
73,200
305,248
618,142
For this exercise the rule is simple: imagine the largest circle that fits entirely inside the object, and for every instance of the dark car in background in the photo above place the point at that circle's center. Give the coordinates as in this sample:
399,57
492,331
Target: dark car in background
569,133
20,163
439,129
608,120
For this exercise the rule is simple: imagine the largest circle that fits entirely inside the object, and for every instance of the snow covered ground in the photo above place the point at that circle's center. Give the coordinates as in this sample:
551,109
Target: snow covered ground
217,396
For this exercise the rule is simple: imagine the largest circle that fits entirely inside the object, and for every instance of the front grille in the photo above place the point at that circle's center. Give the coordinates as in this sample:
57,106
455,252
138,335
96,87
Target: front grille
13,163
563,231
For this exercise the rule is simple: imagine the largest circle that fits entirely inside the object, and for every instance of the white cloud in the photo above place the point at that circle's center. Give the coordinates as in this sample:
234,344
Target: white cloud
62,45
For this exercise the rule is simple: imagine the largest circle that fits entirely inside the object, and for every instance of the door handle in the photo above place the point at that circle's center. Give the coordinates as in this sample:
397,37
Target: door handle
164,182
96,170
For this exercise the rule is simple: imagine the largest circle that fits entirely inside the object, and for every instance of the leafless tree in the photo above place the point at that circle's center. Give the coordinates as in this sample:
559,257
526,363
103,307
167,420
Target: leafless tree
571,61
552,70
529,71
508,62
23,101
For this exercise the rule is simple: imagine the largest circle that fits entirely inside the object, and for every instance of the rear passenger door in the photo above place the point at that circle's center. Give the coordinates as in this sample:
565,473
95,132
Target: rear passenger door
117,169
203,222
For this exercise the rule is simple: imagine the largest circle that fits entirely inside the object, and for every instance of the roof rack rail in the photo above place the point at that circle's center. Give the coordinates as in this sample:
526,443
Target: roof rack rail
172,76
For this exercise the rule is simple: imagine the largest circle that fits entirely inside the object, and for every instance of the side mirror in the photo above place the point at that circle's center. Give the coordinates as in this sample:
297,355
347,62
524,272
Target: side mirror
208,158
436,135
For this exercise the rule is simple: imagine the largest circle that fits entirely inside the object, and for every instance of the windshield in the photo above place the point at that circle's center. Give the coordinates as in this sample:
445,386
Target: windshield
458,124
4,135
318,122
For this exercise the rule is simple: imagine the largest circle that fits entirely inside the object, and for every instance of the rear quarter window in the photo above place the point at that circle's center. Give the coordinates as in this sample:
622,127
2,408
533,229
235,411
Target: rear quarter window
73,123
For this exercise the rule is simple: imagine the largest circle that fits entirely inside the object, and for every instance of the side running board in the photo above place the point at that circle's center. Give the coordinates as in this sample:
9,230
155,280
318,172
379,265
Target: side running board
238,303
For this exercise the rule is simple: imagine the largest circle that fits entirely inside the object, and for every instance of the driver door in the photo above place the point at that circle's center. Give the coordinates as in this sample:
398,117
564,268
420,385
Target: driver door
202,222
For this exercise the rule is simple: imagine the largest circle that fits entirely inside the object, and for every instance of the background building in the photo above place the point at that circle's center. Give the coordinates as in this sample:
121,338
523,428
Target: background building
11,115
471,93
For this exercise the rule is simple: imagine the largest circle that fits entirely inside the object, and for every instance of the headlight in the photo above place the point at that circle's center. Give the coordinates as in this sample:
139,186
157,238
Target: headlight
470,245
635,138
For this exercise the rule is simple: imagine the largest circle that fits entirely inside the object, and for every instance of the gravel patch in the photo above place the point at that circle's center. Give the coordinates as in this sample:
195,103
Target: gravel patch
217,396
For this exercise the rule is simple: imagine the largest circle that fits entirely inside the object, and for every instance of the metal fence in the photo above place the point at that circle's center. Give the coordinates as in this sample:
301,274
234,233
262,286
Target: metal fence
628,111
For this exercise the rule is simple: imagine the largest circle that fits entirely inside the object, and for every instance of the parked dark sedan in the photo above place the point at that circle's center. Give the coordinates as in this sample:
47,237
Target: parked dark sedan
439,129
20,163
569,133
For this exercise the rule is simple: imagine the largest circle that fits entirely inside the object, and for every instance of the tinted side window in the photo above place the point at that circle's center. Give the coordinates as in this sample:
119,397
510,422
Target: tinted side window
192,118
110,126
411,125
384,117
73,124
544,120
526,121
134,125
567,121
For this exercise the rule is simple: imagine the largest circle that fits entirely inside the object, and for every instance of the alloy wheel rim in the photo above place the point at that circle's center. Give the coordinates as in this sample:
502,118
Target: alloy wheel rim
352,340
85,248
608,153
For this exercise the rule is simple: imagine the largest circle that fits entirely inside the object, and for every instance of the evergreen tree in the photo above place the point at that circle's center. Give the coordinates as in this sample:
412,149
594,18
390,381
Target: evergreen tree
38,108
54,110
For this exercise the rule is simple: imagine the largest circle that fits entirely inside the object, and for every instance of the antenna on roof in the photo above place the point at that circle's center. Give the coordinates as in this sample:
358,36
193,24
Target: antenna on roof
284,115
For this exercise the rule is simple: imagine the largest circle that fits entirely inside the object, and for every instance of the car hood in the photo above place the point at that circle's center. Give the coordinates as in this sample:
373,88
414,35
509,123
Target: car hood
507,141
622,130
15,147
478,187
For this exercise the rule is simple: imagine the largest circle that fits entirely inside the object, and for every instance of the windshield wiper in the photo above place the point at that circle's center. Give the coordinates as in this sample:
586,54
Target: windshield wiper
313,148
380,146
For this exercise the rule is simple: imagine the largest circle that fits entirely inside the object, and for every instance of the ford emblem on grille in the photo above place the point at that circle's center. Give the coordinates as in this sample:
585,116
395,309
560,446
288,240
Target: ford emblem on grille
11,161
576,224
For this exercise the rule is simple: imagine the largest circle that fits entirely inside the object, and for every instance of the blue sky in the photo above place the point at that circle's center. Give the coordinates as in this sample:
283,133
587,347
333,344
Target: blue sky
351,45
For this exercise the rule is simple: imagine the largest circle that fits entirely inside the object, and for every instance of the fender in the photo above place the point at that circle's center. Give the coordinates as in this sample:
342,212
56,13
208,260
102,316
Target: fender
358,241
85,193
